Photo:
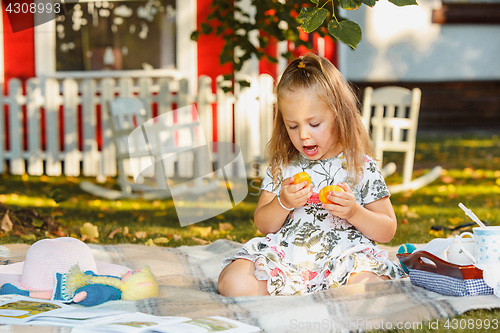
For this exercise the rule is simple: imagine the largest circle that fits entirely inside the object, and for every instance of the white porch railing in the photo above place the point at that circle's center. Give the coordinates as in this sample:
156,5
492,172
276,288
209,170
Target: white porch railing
66,98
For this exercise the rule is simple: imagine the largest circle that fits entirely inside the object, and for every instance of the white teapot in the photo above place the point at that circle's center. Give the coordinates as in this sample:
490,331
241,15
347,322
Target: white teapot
462,250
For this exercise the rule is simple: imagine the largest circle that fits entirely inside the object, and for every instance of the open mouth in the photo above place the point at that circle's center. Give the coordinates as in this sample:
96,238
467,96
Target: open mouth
310,150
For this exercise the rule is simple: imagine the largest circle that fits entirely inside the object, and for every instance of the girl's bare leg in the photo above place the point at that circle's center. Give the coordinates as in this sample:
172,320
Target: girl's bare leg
366,277
238,279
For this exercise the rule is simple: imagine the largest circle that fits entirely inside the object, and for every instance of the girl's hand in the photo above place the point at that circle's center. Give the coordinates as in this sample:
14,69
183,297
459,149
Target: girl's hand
79,296
344,203
295,195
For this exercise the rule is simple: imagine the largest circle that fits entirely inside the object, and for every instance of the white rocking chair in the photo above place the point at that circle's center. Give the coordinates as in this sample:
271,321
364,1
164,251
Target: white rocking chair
144,154
391,115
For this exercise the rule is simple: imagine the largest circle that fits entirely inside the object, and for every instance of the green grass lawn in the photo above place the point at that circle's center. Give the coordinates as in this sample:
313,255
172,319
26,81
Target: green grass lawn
471,176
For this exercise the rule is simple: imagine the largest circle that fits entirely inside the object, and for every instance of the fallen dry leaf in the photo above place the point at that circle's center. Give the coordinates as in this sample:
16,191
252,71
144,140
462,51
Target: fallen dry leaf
224,226
437,234
6,224
141,234
60,232
202,231
448,179
161,240
150,242
114,232
412,215
89,232
200,241
455,220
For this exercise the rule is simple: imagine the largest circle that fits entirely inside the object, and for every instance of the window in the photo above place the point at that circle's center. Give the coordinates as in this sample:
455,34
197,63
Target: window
117,35
468,12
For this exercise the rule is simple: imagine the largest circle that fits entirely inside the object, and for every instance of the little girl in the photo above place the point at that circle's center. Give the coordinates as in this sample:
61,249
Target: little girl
312,246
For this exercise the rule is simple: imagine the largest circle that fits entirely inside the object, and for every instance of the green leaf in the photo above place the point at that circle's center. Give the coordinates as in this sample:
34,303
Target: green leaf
237,65
401,3
348,32
314,1
312,18
244,83
226,56
37,223
220,29
57,196
287,55
207,29
271,59
369,3
350,4
195,35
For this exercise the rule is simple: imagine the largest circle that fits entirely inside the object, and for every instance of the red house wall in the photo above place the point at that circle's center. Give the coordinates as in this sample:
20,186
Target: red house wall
19,50
19,62
209,47
267,67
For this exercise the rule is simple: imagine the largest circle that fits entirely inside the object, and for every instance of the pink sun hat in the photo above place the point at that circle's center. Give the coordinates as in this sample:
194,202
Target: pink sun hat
49,256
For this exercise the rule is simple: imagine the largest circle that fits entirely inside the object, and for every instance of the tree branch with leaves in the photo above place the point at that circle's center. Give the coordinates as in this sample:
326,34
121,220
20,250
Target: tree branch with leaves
279,20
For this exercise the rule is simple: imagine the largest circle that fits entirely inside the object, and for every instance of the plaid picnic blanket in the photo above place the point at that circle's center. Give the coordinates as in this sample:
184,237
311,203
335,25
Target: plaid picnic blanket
188,287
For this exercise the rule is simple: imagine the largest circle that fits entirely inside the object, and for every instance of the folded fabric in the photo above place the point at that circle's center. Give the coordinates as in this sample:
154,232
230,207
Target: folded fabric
437,247
491,275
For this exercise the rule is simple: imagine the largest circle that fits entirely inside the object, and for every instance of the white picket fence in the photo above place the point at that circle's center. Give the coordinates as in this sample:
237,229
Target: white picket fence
253,118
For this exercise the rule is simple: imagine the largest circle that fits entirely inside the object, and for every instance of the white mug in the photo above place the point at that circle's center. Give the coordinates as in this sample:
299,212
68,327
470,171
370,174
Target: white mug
461,251
487,245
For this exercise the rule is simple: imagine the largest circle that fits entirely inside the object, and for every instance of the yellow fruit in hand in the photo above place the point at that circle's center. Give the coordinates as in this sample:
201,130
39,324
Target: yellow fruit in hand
323,193
300,177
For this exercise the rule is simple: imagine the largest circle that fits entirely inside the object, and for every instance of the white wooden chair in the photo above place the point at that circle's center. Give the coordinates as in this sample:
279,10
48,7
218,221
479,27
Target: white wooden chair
391,116
143,155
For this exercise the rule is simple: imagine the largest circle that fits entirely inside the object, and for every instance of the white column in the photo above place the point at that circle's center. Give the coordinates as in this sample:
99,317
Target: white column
45,43
282,61
187,56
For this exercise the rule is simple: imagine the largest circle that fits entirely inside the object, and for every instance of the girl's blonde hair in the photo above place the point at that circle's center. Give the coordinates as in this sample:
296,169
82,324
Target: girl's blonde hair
320,76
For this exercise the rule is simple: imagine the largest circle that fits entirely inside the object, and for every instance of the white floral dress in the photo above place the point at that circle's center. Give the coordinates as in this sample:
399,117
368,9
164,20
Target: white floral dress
315,250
